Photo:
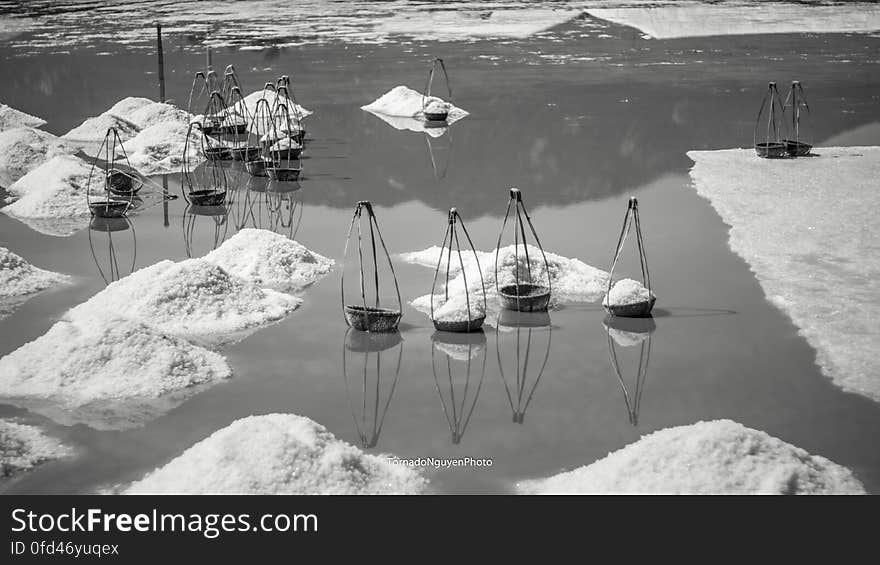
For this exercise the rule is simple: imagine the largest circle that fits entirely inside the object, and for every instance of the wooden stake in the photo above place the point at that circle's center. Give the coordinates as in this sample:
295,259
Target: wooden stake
161,62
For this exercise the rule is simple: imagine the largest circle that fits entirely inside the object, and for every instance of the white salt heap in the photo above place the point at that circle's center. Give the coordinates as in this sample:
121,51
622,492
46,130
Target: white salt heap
743,18
626,292
12,118
153,133
717,457
248,105
405,102
19,278
277,454
572,280
23,149
53,196
807,228
23,447
436,106
193,299
106,372
457,307
158,149
90,134
270,260
126,106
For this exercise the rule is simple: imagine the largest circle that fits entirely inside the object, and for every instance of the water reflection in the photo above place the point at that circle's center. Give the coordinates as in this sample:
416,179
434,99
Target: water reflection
269,205
440,153
218,227
463,352
533,334
114,249
367,382
626,333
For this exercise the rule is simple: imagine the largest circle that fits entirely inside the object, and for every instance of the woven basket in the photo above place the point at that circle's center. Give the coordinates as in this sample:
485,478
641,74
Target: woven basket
525,297
460,326
109,208
635,310
772,150
372,319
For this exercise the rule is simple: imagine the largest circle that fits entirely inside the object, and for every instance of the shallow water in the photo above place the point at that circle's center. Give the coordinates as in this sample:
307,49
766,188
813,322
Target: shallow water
578,138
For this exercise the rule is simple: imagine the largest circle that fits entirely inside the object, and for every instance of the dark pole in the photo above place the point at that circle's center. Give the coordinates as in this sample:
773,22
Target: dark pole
161,62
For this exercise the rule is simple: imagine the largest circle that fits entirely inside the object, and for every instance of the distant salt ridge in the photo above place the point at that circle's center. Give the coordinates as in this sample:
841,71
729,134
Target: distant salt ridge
270,260
717,457
12,118
22,149
572,280
814,249
277,454
402,101
698,20
193,299
23,447
106,372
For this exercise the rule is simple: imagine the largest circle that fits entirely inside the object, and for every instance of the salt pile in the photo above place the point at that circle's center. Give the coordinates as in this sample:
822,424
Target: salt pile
457,307
158,148
12,118
107,372
248,105
717,457
572,280
153,113
90,134
53,196
277,454
268,259
19,278
405,102
193,299
807,228
126,106
626,292
23,447
22,149
696,20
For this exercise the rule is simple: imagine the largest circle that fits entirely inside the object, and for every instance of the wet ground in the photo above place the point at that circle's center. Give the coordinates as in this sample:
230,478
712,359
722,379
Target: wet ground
580,123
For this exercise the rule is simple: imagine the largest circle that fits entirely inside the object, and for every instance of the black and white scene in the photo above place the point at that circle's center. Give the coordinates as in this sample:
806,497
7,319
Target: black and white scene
420,247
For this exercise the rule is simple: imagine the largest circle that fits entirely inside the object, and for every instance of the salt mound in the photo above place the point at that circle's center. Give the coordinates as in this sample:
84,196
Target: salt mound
405,102
814,249
52,194
158,148
12,118
626,292
457,307
193,299
107,372
717,457
277,454
270,260
91,132
248,105
24,447
572,280
19,278
157,113
125,107
22,149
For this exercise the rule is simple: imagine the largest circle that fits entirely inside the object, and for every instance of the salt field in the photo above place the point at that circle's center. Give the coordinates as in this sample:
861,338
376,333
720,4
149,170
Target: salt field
203,348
